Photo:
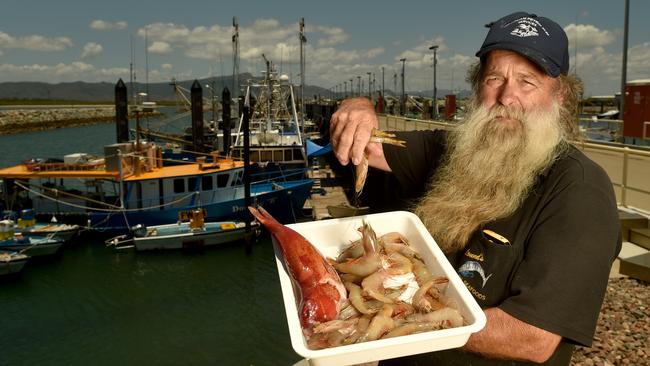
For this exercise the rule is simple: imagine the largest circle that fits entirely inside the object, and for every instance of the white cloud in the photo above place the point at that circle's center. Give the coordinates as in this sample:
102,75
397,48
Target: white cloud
166,67
34,42
61,72
160,47
167,32
91,49
638,61
587,36
420,56
269,36
374,52
334,35
98,24
601,70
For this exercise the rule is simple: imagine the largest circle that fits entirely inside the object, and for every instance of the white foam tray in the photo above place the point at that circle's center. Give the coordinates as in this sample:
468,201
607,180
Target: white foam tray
329,236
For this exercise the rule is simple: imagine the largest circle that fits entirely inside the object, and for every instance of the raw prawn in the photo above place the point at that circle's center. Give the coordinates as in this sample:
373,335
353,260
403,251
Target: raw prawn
369,262
361,170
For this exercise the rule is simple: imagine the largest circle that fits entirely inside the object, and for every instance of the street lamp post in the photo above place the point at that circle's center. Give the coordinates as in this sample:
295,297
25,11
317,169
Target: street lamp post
345,89
369,91
435,89
621,113
358,85
383,92
403,98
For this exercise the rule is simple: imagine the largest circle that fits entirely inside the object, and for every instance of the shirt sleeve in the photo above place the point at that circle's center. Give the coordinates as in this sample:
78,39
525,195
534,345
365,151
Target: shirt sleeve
414,165
560,284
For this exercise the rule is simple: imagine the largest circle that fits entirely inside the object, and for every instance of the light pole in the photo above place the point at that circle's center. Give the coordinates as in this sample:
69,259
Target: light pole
369,91
358,85
403,98
621,113
352,87
395,84
435,89
383,92
345,89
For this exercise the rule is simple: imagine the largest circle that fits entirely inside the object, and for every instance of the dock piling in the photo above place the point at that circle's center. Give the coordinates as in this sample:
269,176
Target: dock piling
121,112
225,118
197,116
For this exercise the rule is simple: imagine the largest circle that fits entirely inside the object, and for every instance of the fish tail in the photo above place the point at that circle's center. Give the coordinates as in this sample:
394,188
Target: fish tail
486,278
263,216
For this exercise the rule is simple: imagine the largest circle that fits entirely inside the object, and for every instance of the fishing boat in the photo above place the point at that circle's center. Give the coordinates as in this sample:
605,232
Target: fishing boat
275,133
33,247
345,210
129,185
192,234
65,232
12,262
27,225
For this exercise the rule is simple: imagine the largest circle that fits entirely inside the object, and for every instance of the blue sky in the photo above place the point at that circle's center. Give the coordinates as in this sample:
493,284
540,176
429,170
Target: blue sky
71,40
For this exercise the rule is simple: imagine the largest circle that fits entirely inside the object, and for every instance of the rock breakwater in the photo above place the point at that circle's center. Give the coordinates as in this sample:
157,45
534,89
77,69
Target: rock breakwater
27,119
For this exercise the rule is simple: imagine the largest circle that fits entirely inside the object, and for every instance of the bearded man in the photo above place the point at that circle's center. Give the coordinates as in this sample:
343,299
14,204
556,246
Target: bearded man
527,220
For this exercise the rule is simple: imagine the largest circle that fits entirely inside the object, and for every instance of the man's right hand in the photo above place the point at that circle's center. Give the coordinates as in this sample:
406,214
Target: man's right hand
350,130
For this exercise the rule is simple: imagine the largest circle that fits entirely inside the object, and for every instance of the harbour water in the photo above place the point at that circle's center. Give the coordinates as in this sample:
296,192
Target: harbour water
91,304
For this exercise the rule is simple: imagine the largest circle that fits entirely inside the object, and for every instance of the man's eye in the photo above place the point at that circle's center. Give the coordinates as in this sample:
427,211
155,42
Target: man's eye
530,83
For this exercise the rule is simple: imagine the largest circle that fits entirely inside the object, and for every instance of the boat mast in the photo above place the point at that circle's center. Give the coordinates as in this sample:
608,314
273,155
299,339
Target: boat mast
303,40
131,65
235,58
267,82
146,61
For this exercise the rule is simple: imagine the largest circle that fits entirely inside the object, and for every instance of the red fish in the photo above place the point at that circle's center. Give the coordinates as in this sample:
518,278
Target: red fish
322,292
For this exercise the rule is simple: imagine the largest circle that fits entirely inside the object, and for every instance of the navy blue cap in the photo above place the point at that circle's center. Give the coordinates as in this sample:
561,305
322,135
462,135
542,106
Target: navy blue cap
540,39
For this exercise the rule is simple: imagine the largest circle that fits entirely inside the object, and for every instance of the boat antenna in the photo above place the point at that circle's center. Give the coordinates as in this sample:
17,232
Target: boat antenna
267,80
303,40
146,61
131,63
235,57
133,76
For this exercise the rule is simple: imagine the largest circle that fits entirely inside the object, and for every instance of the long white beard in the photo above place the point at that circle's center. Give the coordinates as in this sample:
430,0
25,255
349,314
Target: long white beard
489,171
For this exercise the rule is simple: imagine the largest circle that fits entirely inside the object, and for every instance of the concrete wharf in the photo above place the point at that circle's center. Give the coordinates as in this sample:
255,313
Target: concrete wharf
326,191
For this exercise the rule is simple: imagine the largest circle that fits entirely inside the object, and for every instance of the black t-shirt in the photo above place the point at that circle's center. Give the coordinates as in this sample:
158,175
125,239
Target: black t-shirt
562,241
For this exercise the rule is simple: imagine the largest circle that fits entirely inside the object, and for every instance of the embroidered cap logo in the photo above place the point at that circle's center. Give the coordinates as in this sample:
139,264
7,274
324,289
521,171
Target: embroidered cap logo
526,27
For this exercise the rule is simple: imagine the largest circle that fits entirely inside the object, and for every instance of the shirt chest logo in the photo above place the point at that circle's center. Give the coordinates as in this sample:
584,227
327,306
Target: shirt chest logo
468,269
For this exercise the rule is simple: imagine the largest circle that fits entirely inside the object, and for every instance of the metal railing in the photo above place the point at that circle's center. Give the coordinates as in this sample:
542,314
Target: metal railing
627,168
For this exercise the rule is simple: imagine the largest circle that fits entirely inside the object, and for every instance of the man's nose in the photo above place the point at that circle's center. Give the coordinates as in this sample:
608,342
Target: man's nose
508,95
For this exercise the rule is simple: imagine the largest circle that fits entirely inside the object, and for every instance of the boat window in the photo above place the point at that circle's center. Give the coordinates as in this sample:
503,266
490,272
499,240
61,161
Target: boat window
191,184
206,183
266,155
278,155
179,185
222,180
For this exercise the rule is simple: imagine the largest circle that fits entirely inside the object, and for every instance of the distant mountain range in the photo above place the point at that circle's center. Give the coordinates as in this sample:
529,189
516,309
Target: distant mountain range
105,92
